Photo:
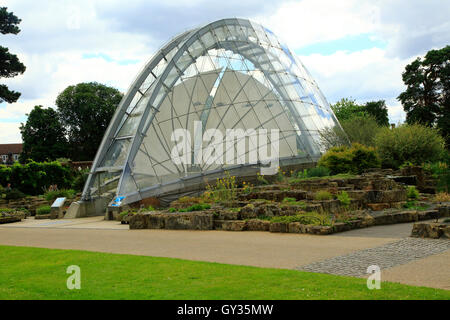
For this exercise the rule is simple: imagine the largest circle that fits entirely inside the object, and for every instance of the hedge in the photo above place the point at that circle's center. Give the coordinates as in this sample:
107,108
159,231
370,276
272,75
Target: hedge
34,177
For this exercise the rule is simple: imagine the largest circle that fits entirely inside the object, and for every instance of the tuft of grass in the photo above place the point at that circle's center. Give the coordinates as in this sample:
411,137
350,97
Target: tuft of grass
293,201
27,274
323,195
43,210
343,198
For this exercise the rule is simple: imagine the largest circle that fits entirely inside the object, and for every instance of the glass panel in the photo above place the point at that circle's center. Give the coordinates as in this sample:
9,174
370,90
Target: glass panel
116,154
208,39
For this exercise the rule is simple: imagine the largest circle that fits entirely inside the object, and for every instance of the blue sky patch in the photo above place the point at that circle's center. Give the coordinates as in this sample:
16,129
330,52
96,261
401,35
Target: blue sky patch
349,43
107,58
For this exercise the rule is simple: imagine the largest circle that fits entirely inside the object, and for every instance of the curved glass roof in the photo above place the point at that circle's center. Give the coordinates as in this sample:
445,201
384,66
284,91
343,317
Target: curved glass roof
229,74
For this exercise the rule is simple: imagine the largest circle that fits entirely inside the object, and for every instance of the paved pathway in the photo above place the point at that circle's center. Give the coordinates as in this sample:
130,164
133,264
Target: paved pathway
386,256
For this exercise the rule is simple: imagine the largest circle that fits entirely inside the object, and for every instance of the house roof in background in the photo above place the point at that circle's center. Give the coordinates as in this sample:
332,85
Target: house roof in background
14,148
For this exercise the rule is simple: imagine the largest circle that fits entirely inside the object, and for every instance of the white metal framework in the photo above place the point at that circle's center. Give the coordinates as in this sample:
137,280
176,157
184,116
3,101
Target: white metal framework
229,74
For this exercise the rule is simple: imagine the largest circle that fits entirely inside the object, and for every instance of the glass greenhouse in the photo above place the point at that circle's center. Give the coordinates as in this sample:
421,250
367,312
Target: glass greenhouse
229,74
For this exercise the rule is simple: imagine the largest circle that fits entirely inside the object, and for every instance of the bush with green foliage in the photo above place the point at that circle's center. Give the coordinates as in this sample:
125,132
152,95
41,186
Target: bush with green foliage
51,195
323,195
343,198
362,129
355,159
311,218
441,172
412,193
43,210
12,194
412,205
293,201
414,143
314,172
127,212
79,180
358,129
34,177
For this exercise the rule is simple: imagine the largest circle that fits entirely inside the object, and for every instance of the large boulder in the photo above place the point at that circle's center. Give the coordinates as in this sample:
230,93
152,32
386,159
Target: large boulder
236,225
430,230
176,221
258,225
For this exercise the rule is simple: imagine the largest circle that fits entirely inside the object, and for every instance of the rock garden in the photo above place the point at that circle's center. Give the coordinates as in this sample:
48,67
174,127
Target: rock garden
31,188
308,201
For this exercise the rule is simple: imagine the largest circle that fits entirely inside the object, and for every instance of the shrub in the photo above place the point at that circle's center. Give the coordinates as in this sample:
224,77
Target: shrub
357,129
441,172
412,192
224,190
361,129
127,212
261,180
13,194
333,137
355,159
412,205
343,198
323,195
51,195
313,218
43,210
288,199
314,172
414,143
33,177
442,197
79,179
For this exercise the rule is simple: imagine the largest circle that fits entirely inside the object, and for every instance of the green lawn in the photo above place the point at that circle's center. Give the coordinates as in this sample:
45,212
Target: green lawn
34,273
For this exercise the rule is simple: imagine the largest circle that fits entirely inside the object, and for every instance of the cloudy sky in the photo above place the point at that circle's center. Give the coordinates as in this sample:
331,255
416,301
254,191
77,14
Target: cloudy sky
353,48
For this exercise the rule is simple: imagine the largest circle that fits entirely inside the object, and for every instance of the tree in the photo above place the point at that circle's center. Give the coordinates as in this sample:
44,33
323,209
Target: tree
10,66
378,110
347,109
427,97
43,136
85,111
359,129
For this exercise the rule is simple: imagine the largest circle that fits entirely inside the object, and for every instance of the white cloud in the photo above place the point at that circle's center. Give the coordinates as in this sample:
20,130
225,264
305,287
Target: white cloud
56,34
9,132
364,75
305,22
